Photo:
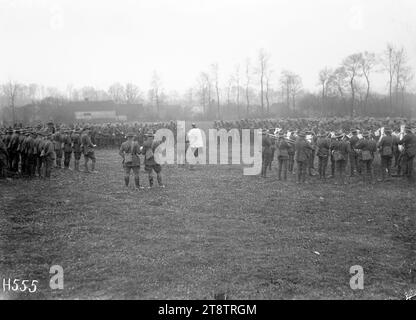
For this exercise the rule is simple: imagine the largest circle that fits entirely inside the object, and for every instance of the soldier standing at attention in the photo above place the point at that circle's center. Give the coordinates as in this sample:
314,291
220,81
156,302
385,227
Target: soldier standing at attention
58,140
323,154
3,159
409,143
354,167
39,141
48,155
14,151
303,149
266,153
88,150
282,156
66,139
368,147
385,146
340,150
76,147
150,164
291,151
130,151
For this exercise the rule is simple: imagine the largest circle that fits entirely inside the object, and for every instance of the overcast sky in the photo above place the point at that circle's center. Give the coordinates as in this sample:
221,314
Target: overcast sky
99,42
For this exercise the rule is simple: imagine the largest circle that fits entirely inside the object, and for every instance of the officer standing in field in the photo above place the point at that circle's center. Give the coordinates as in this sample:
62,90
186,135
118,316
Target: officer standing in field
323,154
88,150
368,147
291,152
340,150
3,159
267,153
130,151
76,147
282,156
58,141
38,145
303,150
409,152
48,154
67,148
354,167
150,164
385,146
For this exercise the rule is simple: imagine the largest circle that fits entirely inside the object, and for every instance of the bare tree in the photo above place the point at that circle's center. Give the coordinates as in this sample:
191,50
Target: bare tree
324,79
268,77
406,77
351,66
116,92
132,93
214,69
399,62
156,84
263,59
11,90
388,62
248,79
367,63
236,78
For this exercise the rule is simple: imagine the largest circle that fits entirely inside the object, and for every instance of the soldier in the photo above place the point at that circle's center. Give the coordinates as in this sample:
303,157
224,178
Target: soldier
130,151
88,150
58,141
77,148
14,151
7,144
48,154
368,147
409,143
67,143
340,150
291,152
3,159
150,165
283,156
303,149
354,167
38,144
323,154
31,153
266,153
385,146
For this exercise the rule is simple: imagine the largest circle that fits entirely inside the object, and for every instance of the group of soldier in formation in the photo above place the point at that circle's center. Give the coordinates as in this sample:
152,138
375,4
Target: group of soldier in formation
34,152
396,148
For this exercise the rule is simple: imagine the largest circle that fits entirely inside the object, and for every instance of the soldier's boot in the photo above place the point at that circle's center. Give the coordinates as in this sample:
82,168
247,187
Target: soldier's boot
86,167
159,180
137,183
150,181
76,165
126,181
93,167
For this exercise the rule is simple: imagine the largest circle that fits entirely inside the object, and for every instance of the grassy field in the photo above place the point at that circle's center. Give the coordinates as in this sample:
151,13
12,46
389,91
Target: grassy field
212,230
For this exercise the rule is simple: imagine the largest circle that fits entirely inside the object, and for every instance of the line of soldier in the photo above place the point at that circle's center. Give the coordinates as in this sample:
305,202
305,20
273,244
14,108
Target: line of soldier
131,150
34,152
339,149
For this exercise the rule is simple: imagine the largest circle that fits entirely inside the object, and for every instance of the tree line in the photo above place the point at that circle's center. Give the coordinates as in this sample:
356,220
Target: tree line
255,89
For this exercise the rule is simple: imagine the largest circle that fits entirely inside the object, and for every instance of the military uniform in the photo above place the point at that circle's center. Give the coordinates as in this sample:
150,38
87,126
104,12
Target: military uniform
340,150
67,142
323,154
88,151
302,153
267,154
385,146
283,157
130,151
77,148
409,143
368,147
150,164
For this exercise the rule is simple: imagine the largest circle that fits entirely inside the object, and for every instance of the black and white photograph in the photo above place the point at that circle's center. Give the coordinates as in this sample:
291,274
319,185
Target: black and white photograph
218,152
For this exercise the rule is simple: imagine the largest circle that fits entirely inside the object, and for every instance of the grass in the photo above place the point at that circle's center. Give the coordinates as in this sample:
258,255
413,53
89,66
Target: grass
212,230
